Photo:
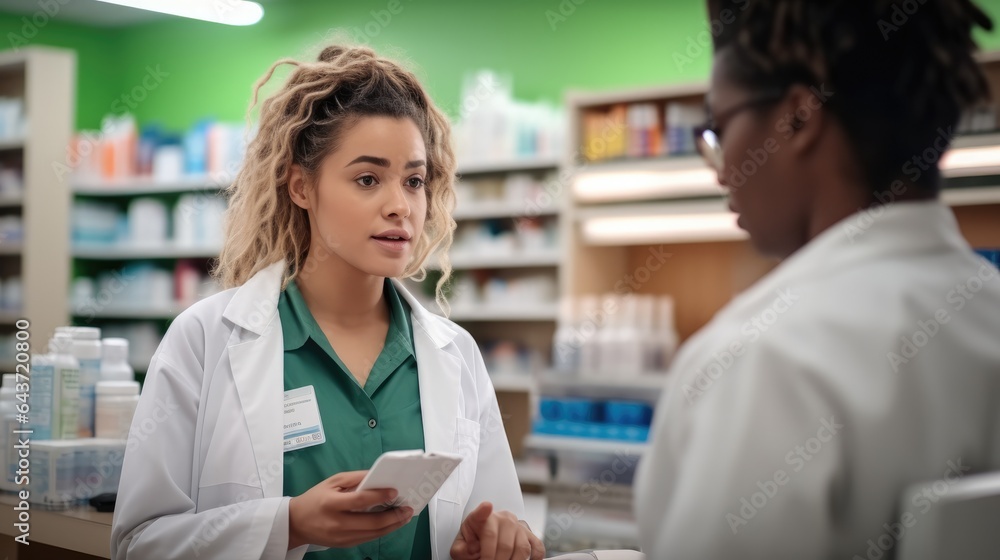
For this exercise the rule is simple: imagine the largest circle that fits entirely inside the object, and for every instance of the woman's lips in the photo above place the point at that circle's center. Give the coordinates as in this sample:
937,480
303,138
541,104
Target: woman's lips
394,245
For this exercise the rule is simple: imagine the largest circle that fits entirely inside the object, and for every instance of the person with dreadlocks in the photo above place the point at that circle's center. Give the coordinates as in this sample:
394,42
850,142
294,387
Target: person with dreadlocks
347,187
869,358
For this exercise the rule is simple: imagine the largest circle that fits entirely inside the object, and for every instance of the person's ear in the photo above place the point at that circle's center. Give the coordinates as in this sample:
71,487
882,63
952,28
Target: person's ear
805,109
297,188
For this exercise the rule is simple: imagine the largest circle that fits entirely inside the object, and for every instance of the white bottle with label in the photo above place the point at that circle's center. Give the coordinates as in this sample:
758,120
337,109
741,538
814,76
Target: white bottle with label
8,423
87,351
565,346
114,361
65,387
666,331
116,402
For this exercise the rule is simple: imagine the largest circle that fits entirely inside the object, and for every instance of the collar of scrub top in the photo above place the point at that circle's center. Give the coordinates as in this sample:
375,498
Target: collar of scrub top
303,325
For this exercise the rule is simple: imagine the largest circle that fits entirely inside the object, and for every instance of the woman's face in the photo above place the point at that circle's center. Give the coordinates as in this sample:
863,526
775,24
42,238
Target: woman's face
369,202
760,170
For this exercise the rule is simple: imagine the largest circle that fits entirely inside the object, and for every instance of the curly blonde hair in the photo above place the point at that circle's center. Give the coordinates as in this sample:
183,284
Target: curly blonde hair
301,124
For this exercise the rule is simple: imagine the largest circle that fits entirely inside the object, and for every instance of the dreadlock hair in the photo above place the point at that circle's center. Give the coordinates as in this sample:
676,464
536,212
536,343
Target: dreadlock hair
901,78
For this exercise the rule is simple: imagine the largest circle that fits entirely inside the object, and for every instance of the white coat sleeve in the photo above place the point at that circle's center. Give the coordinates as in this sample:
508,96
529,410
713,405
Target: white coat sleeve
155,514
748,470
496,477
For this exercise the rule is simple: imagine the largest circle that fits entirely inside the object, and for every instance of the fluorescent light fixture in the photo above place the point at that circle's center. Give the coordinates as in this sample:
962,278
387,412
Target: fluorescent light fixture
228,12
600,186
983,160
664,228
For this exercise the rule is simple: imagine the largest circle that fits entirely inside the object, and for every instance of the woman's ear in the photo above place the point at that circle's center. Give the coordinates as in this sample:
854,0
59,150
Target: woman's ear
297,187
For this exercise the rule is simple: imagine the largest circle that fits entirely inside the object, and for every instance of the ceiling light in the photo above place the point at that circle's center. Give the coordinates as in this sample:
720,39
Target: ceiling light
228,12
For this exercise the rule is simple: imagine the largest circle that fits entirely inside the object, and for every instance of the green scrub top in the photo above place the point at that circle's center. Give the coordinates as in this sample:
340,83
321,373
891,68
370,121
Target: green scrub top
360,423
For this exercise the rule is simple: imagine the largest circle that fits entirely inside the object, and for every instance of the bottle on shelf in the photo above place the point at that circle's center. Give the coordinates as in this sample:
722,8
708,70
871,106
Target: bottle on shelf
86,349
565,345
65,387
666,332
8,423
114,361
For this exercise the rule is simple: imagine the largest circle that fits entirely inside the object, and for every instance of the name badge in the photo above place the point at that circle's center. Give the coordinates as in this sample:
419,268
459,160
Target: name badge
302,424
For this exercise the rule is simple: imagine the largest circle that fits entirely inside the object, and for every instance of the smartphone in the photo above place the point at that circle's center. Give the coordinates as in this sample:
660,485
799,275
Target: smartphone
415,474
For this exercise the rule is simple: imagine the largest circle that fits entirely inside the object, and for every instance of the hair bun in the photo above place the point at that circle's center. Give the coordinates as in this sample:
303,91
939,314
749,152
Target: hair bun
335,52
331,53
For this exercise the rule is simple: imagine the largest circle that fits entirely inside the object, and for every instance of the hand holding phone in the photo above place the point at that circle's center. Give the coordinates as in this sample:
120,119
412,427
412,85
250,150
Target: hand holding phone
416,476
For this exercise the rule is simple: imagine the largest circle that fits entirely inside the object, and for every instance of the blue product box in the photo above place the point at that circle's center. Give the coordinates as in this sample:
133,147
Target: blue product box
628,413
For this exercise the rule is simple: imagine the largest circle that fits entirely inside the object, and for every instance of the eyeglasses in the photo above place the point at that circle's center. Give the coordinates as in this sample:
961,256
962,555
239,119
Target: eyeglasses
708,137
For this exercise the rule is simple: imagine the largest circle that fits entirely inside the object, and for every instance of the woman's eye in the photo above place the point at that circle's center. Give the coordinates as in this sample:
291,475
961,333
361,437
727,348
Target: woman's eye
415,182
367,181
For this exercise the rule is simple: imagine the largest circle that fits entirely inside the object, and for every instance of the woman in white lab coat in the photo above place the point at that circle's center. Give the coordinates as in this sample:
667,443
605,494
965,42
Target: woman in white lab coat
347,184
869,359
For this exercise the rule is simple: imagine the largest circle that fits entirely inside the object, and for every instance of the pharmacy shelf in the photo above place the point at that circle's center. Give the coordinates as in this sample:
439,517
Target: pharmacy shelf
646,387
118,253
129,312
10,317
971,196
537,312
11,248
499,210
11,200
522,260
11,143
508,166
144,185
568,444
514,383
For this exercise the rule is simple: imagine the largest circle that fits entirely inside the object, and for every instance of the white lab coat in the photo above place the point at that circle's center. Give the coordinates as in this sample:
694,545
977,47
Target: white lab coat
793,421
202,476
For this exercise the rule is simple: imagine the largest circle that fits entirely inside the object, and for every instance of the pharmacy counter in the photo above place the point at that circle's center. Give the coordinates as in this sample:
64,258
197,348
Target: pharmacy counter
81,529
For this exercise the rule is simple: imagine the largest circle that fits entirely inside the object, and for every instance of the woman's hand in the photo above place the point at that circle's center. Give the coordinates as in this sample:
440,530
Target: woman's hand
486,535
331,514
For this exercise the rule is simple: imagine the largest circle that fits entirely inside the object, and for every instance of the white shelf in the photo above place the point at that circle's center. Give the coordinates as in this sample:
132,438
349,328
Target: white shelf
511,383
508,166
971,196
495,210
114,253
522,260
543,442
11,200
11,248
123,312
10,317
11,143
144,185
537,312
610,382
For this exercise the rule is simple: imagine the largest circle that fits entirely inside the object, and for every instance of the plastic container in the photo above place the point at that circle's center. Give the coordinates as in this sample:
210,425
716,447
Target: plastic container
87,351
8,424
114,360
116,402
65,387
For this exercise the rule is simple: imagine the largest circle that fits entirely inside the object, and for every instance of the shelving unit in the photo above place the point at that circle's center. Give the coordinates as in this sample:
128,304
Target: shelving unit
45,79
566,444
94,259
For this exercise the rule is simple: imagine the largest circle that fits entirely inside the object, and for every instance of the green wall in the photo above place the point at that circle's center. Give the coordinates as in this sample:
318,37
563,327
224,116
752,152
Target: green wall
208,70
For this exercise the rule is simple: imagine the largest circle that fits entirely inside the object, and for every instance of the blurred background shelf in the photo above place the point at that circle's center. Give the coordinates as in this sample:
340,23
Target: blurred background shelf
11,200
12,144
527,259
10,317
568,444
538,312
122,312
114,253
507,166
497,210
12,248
148,186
